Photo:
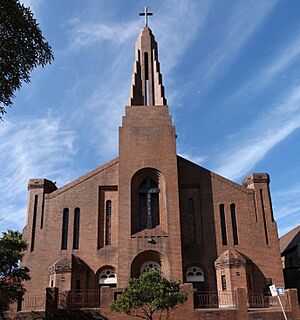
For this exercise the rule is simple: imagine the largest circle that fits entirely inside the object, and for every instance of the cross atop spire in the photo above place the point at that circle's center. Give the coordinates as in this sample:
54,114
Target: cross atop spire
146,13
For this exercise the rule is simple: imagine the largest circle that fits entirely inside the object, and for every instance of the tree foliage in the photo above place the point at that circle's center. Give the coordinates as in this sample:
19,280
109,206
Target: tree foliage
11,274
149,294
22,48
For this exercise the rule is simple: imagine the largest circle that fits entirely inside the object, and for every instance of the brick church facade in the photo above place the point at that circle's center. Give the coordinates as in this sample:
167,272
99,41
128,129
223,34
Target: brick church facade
149,208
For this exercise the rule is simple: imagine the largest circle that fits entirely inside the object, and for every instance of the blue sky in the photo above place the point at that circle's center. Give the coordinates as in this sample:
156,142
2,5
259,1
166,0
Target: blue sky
231,70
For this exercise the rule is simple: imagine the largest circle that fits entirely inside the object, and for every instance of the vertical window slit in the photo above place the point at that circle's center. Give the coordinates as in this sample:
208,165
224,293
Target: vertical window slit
223,282
34,222
234,224
76,228
146,69
108,223
42,215
264,215
223,225
191,215
65,226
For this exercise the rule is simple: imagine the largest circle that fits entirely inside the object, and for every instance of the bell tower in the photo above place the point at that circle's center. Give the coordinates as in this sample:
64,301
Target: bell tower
149,219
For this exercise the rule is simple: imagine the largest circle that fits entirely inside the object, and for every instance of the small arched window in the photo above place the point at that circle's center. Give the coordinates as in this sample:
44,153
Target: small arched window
191,216
108,222
76,228
223,224
194,274
234,224
108,276
149,265
149,204
65,225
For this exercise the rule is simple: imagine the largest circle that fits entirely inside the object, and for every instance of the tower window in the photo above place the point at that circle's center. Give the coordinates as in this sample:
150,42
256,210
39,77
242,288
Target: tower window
149,204
234,225
65,225
191,216
108,223
76,228
223,224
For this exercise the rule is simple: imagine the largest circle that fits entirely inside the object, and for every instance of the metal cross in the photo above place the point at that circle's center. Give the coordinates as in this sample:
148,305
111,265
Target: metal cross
149,191
146,13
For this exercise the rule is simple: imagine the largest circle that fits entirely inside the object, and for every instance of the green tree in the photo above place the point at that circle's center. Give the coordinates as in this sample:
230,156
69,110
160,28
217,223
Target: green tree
149,294
22,48
11,274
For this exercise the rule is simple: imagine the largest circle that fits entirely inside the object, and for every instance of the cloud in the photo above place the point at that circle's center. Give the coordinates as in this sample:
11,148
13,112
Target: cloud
245,19
31,148
90,33
266,76
175,31
200,160
254,143
286,204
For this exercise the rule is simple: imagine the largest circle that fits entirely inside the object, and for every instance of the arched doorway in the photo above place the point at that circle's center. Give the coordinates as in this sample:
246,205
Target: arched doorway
195,275
149,265
150,259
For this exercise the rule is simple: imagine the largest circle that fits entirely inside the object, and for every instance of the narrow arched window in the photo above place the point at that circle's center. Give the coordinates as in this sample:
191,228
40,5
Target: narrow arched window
76,228
108,223
191,216
234,225
223,224
65,226
149,204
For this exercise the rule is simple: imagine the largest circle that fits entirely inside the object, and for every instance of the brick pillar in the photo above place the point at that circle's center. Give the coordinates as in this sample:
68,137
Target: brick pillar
294,304
51,303
242,304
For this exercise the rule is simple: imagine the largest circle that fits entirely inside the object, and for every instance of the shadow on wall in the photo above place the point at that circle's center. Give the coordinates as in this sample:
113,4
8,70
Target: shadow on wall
198,231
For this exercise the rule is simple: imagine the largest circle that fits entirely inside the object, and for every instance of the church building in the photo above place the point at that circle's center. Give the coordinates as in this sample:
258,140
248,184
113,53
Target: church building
151,208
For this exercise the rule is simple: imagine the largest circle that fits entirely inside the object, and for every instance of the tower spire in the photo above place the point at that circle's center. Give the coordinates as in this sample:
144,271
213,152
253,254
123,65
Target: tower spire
146,88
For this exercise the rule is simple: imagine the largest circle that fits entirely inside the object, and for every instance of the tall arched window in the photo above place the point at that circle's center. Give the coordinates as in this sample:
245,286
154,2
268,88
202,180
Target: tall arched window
76,228
223,224
149,204
191,215
108,223
234,225
65,226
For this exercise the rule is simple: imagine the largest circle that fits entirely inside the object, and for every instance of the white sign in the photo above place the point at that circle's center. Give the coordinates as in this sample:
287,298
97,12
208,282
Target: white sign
273,290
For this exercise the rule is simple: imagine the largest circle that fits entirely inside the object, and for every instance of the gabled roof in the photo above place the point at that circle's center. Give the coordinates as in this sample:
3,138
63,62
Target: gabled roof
290,240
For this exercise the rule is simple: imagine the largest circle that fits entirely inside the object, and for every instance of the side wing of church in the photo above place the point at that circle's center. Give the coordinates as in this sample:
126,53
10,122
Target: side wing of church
150,208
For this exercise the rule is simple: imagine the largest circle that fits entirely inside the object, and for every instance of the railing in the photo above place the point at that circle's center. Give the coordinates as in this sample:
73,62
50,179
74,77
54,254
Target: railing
259,300
222,299
34,302
78,300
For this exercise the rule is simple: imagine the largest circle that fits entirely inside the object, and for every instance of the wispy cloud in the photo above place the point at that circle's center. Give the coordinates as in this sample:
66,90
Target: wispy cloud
254,143
178,23
286,204
90,33
31,148
245,19
269,73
